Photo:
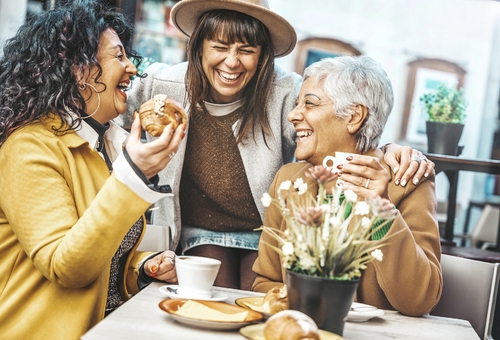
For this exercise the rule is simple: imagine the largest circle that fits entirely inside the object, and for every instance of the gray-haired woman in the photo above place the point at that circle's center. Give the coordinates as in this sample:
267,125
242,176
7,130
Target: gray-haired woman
342,107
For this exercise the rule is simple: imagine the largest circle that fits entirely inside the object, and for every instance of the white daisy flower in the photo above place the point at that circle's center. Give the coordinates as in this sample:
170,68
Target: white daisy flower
266,200
302,188
287,248
285,185
306,263
350,196
377,254
365,222
324,208
335,221
298,182
361,208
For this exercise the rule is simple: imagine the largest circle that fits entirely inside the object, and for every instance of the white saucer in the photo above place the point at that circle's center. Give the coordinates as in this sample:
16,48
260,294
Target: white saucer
361,312
216,296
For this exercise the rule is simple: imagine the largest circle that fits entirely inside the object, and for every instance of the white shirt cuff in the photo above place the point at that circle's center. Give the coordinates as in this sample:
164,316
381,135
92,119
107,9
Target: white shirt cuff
125,174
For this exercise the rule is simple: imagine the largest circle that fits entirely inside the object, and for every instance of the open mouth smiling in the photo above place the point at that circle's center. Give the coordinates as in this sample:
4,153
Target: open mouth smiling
229,77
304,134
124,86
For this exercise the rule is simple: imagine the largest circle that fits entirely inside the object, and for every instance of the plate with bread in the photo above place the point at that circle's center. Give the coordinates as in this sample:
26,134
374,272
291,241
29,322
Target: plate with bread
209,314
287,324
273,302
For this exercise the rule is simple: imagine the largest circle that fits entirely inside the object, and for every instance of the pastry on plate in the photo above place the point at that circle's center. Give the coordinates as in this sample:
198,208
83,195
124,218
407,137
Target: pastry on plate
276,300
290,325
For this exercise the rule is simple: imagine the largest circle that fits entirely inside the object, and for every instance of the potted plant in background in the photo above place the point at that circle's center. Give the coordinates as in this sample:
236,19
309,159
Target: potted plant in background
445,109
327,243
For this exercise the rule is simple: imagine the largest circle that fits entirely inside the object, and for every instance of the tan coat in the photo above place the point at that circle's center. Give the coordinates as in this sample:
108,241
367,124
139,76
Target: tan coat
62,218
409,277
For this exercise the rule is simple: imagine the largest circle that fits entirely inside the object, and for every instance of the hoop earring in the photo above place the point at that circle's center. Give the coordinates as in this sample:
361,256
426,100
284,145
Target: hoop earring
98,99
82,87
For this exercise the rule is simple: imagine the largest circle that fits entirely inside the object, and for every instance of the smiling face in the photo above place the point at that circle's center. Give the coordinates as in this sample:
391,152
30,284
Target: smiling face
116,72
229,68
320,132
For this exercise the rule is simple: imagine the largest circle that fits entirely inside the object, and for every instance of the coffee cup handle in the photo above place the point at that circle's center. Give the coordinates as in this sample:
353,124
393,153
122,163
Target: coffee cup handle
328,159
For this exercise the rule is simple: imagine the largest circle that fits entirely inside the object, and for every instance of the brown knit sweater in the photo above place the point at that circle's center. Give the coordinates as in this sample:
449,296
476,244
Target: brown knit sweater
214,191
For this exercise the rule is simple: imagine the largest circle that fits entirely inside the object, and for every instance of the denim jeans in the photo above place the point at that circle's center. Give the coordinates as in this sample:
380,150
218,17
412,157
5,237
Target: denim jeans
193,236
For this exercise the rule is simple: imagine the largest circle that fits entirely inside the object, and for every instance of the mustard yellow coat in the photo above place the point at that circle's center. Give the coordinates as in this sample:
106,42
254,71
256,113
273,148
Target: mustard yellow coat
409,277
62,218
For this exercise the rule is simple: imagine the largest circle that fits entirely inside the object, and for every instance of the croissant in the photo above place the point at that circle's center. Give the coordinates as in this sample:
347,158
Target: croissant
160,111
290,325
276,299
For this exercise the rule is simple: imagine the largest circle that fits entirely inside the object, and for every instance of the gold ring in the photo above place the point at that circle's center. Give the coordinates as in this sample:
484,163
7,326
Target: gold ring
367,182
172,154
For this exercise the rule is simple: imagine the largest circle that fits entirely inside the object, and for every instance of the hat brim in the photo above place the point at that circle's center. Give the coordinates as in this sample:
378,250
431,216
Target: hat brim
185,15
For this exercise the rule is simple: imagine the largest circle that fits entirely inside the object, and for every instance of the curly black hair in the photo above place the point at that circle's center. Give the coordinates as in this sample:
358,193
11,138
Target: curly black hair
37,70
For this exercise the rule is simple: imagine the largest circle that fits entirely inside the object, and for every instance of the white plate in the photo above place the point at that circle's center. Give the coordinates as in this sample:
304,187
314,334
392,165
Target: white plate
171,306
254,303
216,296
361,312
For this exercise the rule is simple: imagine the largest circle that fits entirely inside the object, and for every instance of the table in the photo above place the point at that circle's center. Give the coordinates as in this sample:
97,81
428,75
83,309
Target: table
451,166
471,253
141,318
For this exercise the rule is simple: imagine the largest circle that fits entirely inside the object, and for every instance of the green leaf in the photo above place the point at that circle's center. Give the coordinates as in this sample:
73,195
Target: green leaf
446,105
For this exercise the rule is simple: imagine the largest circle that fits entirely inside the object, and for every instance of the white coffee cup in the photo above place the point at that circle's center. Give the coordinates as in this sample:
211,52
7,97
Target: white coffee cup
196,275
332,162
339,158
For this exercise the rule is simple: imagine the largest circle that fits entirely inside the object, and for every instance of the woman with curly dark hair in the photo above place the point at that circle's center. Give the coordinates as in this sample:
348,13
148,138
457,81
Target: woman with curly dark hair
72,202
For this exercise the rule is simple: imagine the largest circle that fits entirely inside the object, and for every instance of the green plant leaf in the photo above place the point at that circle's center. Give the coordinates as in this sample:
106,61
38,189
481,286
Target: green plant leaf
446,105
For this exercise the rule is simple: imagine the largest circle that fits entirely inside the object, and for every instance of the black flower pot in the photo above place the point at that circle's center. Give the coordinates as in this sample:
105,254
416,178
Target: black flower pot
443,138
326,301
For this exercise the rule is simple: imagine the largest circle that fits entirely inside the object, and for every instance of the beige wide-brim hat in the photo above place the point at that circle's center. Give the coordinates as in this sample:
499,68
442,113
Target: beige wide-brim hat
185,15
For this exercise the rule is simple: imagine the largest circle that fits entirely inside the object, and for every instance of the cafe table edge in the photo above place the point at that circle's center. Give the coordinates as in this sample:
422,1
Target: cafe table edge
141,318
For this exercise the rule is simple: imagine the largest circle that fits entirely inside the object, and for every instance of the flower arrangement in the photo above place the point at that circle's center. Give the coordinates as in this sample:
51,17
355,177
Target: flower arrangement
446,105
333,236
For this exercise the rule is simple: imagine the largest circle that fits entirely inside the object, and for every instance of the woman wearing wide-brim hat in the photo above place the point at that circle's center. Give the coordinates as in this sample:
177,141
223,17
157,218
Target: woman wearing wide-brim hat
238,135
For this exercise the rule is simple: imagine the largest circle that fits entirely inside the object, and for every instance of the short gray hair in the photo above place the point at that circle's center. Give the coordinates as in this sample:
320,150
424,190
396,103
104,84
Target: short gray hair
350,81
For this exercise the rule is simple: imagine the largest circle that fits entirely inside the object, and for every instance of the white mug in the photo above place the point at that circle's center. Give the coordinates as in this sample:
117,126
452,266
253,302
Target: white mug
340,158
196,275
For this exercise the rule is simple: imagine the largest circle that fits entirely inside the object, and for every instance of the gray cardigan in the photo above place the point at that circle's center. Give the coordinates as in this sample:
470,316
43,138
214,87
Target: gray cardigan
261,163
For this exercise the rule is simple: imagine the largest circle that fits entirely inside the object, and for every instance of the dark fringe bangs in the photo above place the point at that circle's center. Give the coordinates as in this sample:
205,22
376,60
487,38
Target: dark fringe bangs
232,27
